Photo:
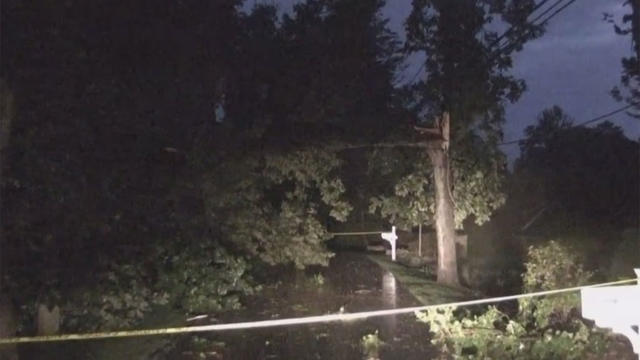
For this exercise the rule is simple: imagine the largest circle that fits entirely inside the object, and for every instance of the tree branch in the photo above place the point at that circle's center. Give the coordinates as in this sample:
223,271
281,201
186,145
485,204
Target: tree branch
420,144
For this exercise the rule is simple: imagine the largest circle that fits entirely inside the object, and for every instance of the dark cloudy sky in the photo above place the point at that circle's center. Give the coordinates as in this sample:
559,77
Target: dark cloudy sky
574,65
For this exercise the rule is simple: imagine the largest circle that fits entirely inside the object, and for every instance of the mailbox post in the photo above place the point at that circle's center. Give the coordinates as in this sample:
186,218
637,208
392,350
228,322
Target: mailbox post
615,307
391,237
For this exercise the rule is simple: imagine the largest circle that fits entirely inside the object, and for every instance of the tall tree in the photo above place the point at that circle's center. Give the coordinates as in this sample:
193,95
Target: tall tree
325,72
465,88
335,63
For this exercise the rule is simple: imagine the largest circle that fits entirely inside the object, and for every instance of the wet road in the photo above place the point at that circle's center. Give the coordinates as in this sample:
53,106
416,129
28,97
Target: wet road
352,283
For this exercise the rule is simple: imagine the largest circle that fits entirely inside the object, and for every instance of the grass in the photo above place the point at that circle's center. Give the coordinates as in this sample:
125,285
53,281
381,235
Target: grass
425,290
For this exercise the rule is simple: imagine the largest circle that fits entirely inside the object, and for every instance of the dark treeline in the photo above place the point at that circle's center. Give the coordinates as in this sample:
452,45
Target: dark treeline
583,177
120,108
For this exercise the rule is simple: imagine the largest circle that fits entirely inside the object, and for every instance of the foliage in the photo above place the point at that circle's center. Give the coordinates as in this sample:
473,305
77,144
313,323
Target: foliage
272,207
466,65
627,254
196,278
303,78
342,59
477,191
318,279
371,345
630,77
548,267
412,202
553,266
122,300
478,171
205,278
543,328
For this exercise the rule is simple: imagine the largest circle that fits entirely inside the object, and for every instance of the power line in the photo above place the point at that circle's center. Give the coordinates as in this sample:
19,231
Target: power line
557,12
608,114
545,12
356,233
590,121
295,321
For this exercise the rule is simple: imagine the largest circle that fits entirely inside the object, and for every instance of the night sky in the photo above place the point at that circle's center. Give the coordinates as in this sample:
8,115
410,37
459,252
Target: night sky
575,64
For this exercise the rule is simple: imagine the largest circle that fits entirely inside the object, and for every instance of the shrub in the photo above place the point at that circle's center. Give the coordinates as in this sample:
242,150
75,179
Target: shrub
627,255
542,328
371,345
274,207
196,276
120,301
205,278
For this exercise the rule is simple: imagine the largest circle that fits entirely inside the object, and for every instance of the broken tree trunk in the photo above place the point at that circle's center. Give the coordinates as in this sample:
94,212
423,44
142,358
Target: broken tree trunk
444,221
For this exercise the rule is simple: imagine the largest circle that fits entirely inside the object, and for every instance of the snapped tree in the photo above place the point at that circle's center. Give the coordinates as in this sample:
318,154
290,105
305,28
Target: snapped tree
465,88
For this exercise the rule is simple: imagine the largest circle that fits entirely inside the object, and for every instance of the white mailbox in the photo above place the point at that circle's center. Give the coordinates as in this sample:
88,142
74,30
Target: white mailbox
391,237
615,307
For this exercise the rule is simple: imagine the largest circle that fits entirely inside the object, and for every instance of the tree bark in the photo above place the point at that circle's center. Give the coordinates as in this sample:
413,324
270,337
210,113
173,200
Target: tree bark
444,213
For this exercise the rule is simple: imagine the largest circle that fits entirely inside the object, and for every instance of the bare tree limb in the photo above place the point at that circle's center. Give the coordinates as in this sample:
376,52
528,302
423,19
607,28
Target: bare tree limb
534,218
420,144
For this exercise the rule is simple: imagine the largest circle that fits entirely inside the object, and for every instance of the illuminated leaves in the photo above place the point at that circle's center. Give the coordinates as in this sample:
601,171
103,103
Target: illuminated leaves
477,191
206,278
274,206
412,202
121,301
543,328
